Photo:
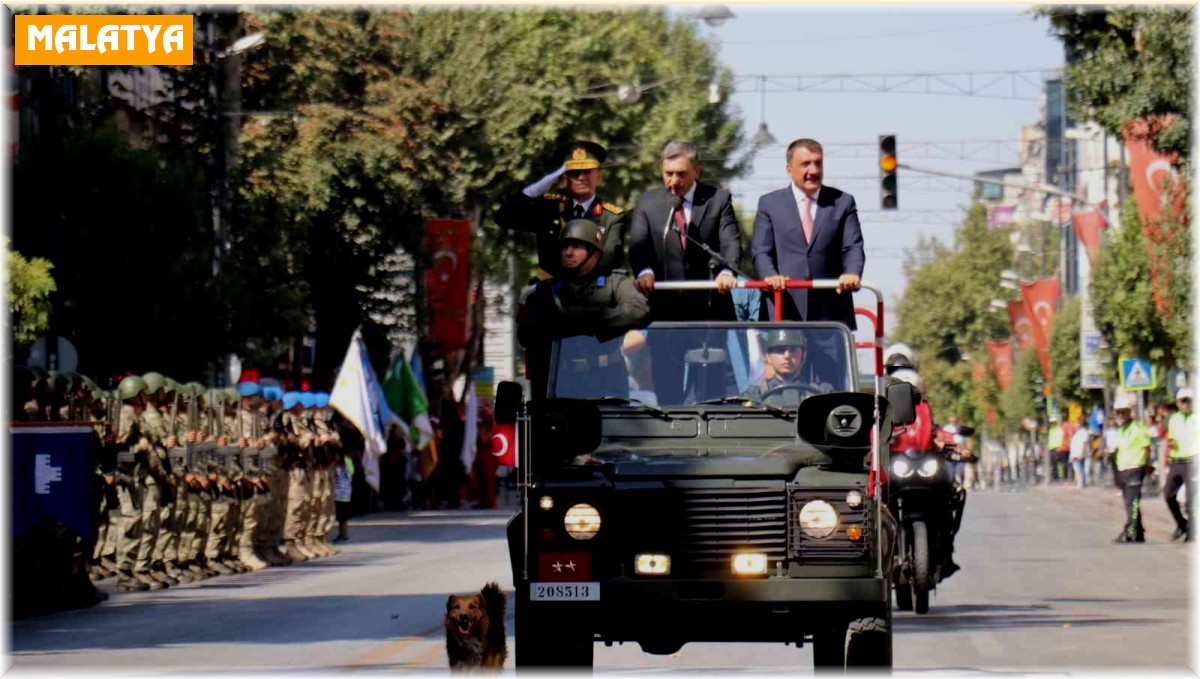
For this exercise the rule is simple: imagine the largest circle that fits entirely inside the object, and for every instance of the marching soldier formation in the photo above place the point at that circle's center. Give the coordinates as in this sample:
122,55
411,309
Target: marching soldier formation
190,482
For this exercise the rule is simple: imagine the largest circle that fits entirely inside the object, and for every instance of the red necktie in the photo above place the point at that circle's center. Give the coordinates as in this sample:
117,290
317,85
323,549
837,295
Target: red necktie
681,222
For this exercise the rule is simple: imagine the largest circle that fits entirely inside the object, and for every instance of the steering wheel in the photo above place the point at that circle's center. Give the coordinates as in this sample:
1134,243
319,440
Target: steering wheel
802,392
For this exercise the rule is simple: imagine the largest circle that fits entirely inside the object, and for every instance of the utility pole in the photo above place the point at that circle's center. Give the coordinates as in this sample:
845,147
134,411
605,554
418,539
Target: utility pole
217,181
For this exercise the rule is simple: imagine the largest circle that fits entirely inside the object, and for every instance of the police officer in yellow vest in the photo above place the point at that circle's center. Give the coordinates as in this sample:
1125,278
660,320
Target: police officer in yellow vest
1132,461
1181,446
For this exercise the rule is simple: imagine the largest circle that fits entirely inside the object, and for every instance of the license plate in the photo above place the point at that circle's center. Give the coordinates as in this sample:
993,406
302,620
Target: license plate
564,591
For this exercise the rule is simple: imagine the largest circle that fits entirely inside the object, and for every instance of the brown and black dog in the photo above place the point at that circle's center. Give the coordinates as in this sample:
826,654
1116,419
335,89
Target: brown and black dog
475,630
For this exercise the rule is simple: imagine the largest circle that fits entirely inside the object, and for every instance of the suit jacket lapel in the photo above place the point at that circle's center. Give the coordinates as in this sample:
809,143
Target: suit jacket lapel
822,214
658,220
796,228
700,202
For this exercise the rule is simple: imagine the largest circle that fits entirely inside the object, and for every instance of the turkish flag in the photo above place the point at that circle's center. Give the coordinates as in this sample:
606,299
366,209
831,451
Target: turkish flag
1001,354
504,444
448,242
1041,298
1022,327
1159,189
1087,230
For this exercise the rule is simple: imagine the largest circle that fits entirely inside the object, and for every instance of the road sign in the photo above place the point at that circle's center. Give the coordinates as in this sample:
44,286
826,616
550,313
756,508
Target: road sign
1137,374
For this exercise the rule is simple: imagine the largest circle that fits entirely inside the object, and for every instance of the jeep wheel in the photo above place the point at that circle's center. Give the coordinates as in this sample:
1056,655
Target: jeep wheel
829,649
921,568
869,643
904,598
541,642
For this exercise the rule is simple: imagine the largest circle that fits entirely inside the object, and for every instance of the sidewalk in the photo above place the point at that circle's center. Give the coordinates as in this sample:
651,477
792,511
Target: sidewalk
1105,502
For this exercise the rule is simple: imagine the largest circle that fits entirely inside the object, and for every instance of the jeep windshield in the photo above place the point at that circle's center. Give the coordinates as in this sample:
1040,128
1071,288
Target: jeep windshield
767,366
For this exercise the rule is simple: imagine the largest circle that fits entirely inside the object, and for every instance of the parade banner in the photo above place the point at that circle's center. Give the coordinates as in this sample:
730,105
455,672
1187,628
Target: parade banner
52,475
448,242
1022,327
1159,189
1088,226
1041,297
1001,354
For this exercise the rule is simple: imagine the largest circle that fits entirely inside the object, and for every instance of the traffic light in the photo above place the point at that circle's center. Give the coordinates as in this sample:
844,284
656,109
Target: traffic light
887,172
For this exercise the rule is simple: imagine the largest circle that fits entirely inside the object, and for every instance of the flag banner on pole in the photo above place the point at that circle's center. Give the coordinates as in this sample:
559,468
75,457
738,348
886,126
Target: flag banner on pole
470,428
1002,363
1041,298
448,242
358,396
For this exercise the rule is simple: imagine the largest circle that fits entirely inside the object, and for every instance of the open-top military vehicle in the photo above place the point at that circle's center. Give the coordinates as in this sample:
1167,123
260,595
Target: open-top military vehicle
674,490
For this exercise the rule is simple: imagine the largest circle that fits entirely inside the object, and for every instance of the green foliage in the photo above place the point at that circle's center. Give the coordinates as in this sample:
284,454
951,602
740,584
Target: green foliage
1123,298
30,283
945,313
1064,356
1020,400
1125,63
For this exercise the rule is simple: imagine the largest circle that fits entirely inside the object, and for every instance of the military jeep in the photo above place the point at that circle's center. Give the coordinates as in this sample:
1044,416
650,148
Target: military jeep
682,510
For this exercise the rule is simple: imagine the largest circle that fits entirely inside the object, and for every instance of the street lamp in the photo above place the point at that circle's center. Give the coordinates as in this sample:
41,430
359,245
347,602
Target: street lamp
714,15
763,137
243,44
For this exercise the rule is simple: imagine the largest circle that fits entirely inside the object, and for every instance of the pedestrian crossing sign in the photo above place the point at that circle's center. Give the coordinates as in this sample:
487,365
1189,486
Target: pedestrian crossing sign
1137,374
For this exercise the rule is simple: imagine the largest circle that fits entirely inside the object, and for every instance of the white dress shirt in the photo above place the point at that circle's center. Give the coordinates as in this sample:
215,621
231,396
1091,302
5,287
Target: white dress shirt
587,206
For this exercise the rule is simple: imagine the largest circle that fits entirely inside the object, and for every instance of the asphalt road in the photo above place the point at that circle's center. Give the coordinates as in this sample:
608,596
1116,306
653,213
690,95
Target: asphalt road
1042,589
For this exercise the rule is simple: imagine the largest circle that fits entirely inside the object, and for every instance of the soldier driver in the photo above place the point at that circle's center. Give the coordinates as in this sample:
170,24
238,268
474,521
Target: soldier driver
786,358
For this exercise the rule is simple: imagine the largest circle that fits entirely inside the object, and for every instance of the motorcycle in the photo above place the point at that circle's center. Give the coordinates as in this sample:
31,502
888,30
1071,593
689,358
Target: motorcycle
927,503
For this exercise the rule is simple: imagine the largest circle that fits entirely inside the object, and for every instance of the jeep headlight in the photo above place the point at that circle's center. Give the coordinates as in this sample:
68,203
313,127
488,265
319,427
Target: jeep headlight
582,521
818,519
902,468
928,468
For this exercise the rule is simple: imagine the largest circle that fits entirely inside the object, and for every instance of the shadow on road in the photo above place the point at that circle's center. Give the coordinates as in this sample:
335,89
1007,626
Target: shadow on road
939,624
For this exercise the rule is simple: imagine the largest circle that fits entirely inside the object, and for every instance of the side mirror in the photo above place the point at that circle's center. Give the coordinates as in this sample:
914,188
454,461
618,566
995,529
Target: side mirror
509,399
903,400
564,428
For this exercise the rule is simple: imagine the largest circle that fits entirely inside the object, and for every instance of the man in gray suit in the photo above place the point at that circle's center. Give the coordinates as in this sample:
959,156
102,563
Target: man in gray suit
809,231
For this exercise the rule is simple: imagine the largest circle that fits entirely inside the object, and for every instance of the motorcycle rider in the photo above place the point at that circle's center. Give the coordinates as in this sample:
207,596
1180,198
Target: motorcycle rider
900,362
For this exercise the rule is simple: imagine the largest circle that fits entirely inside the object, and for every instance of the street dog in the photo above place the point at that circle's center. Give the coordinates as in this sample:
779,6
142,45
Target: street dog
475,630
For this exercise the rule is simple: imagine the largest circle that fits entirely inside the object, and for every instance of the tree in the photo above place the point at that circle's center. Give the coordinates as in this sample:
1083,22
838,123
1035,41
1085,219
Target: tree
30,283
1123,298
1064,356
945,312
1024,392
1128,63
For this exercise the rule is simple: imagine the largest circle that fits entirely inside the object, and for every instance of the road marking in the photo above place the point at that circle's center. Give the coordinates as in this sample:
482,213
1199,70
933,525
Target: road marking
391,648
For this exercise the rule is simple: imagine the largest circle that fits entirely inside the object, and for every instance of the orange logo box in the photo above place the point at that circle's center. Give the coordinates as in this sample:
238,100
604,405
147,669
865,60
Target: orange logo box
103,40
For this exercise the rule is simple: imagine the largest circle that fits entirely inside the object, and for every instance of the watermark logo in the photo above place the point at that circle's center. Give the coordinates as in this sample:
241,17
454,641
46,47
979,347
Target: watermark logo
103,40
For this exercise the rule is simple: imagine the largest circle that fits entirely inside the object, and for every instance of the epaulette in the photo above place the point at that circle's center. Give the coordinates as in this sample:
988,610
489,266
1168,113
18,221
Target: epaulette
613,209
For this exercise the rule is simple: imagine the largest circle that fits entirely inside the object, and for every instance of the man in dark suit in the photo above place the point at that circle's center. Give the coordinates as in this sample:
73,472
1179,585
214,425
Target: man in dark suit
539,210
658,250
809,231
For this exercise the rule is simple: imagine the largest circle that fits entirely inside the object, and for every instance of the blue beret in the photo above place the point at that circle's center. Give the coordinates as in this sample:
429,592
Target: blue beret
291,400
308,399
273,393
322,399
248,389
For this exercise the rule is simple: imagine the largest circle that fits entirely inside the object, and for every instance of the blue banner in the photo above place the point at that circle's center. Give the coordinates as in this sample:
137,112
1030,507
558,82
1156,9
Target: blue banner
52,475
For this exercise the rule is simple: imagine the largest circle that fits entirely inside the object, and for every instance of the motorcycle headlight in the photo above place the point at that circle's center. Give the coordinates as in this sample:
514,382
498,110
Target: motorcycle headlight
928,468
582,521
818,519
902,468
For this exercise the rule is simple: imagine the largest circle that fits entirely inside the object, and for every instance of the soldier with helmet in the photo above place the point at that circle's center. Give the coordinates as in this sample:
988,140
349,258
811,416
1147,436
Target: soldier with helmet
581,300
785,377
543,212
132,462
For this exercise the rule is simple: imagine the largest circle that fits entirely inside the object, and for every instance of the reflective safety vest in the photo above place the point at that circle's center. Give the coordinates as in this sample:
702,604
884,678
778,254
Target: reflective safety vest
1181,432
1055,438
1133,442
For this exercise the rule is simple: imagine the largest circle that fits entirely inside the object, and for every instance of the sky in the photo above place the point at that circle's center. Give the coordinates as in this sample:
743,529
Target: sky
819,40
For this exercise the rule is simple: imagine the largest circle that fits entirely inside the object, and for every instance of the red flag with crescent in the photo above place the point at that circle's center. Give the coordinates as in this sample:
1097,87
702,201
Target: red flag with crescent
448,242
504,444
1159,189
1088,225
1040,298
1022,326
1001,354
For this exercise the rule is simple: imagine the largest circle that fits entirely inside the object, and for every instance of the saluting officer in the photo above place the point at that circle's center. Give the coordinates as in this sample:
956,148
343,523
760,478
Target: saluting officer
583,300
539,210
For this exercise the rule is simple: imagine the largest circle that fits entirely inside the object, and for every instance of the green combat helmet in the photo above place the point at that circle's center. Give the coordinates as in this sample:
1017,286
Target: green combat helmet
584,231
784,337
130,387
231,395
170,385
195,389
154,381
